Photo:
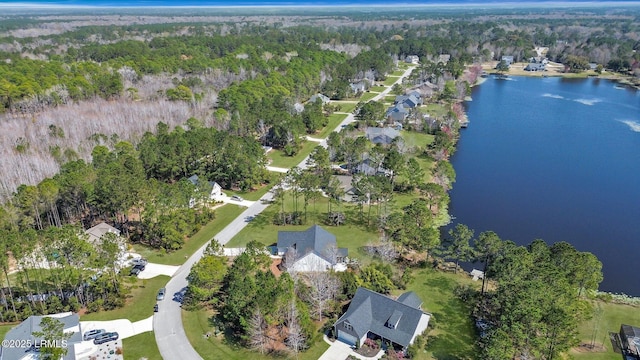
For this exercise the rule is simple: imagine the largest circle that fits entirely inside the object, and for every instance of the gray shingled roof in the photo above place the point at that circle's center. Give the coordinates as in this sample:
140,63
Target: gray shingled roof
410,298
382,135
24,331
95,233
370,311
314,239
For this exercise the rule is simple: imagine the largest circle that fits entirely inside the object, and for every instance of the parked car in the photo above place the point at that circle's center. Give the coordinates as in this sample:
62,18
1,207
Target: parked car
106,337
92,334
155,308
139,261
137,269
237,198
161,294
179,296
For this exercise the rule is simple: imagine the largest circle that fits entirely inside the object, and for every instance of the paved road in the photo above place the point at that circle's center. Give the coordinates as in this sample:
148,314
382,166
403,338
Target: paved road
167,322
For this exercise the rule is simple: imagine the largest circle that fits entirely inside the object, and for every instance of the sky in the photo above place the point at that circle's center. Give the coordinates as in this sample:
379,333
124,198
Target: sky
186,3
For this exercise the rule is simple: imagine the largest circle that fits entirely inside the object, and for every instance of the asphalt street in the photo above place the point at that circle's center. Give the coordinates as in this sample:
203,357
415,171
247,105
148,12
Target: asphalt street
167,322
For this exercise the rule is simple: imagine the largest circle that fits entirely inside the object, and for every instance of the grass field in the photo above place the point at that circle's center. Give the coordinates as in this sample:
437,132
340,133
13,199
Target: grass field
197,324
141,346
279,159
390,99
368,96
435,110
255,195
224,216
397,73
390,80
334,121
613,315
451,332
377,88
345,106
416,139
138,305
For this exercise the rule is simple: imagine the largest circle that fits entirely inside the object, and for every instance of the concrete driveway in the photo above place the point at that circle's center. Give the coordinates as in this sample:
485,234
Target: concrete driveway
123,327
228,200
152,270
337,351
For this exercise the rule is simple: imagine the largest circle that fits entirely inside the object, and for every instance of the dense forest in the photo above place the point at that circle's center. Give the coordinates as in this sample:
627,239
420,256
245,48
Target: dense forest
217,70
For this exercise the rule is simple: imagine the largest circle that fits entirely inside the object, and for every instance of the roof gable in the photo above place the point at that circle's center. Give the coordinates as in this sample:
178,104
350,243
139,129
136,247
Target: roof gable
314,239
410,298
383,316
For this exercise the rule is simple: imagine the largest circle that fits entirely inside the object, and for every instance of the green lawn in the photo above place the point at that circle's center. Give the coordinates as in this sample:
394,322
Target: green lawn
613,315
255,195
334,121
279,159
368,96
224,216
435,110
4,329
416,139
390,99
139,302
390,80
377,88
397,73
197,324
141,346
353,235
345,106
451,331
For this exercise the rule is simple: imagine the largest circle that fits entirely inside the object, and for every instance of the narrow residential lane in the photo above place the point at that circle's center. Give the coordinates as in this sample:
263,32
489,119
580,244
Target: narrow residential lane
167,322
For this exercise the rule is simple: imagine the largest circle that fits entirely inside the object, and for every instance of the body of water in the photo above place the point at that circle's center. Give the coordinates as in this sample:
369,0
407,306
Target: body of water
559,160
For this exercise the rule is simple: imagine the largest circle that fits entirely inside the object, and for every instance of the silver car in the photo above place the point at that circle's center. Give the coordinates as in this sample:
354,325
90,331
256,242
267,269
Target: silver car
161,294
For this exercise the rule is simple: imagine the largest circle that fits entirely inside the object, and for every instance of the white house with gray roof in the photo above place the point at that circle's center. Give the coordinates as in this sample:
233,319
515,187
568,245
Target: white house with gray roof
376,316
324,98
23,334
314,249
384,136
95,233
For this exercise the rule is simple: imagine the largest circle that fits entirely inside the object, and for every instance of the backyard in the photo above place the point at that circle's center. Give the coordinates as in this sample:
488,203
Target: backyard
451,334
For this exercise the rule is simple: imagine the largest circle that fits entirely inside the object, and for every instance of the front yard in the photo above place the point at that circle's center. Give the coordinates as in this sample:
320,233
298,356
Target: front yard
224,216
197,324
138,304
280,159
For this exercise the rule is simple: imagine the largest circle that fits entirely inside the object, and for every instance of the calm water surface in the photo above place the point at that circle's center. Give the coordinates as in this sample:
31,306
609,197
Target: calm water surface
559,160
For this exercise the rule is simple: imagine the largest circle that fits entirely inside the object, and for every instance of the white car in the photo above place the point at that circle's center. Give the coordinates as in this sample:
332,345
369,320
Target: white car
237,198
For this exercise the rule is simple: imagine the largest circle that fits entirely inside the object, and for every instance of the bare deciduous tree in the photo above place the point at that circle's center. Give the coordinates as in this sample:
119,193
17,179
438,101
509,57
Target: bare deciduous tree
295,336
324,287
258,338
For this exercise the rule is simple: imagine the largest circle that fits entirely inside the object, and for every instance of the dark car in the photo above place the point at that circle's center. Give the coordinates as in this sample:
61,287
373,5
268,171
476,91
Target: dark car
155,308
139,261
92,334
137,269
106,337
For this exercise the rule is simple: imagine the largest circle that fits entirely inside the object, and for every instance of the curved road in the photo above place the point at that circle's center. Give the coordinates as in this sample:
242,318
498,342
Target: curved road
167,322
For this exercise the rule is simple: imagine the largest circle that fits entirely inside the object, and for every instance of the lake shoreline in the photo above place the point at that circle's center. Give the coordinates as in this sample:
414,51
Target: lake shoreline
557,70
496,172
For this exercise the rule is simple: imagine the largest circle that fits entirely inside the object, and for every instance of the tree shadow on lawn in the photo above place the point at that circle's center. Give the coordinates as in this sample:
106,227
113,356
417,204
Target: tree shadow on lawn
456,338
